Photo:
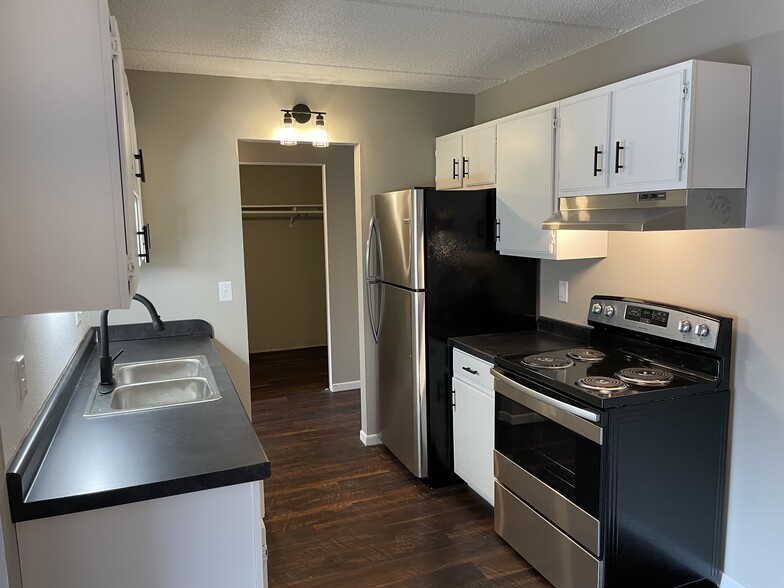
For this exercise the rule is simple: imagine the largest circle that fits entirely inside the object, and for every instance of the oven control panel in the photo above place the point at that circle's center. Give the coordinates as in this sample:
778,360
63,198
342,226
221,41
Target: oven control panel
654,319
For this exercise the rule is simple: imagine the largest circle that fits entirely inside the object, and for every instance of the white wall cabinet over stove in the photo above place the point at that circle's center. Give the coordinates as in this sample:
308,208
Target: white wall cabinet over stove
201,540
466,159
473,406
68,214
683,126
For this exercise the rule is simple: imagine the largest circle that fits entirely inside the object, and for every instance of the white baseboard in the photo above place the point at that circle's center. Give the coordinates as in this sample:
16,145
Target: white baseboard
343,386
726,581
369,440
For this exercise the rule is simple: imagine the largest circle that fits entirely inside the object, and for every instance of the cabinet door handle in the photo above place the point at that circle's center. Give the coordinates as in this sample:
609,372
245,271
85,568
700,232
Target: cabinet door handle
140,158
470,371
618,149
454,400
465,167
145,235
455,169
596,153
498,229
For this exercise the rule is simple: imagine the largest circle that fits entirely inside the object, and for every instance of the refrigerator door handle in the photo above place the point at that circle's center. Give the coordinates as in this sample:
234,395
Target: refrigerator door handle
380,250
370,281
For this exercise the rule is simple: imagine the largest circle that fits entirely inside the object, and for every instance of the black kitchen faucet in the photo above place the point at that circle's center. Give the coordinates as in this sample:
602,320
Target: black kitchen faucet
107,361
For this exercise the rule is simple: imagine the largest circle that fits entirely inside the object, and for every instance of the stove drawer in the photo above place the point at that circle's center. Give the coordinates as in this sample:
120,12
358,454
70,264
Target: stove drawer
551,504
471,369
554,555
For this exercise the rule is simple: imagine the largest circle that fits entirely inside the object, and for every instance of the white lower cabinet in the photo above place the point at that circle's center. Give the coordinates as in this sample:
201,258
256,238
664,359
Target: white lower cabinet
200,539
473,402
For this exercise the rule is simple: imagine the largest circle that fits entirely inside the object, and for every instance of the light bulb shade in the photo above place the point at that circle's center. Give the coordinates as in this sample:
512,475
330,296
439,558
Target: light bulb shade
287,135
319,137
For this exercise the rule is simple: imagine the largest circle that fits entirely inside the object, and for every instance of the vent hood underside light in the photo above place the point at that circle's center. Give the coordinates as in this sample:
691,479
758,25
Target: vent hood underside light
703,208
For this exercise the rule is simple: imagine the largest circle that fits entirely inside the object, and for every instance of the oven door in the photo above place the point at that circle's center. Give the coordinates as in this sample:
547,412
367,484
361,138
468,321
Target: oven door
547,452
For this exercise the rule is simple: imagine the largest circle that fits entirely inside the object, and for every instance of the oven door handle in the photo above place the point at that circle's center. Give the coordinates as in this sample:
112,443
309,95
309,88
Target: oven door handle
574,418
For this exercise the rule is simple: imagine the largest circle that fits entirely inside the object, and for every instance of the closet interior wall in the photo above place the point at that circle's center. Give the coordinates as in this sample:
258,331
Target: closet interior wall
284,260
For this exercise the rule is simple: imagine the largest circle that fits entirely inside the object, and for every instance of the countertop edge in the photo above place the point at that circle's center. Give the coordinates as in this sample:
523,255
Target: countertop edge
50,508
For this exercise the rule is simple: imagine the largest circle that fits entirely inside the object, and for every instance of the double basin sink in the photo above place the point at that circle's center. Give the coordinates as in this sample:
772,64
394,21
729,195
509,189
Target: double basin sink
149,385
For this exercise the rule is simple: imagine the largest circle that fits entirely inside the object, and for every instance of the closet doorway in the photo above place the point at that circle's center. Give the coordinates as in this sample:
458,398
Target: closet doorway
286,278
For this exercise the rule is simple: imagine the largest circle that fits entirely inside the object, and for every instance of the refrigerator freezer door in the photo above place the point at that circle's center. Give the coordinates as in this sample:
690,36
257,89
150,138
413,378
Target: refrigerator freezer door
399,218
401,378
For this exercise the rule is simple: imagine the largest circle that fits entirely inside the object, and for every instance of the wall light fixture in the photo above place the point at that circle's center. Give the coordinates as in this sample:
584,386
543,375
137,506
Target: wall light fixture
288,135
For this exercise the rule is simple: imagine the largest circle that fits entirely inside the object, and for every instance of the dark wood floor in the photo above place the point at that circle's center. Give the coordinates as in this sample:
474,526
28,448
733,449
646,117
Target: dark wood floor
280,373
342,514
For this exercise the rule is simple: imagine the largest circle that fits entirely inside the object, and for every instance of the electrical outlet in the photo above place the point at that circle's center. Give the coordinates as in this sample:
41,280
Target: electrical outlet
21,374
224,292
563,291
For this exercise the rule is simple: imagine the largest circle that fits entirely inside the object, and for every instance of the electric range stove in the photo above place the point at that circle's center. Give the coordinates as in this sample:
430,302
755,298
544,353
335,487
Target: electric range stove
610,458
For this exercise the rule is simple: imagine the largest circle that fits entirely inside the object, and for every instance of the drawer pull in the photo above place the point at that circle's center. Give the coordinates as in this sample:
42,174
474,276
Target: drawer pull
470,371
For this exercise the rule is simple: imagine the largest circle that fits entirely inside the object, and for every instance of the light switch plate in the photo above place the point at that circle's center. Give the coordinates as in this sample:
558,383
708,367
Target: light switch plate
224,292
563,291
21,374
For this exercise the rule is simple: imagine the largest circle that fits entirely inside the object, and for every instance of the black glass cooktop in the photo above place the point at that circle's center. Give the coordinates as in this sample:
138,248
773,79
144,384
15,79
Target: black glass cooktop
603,373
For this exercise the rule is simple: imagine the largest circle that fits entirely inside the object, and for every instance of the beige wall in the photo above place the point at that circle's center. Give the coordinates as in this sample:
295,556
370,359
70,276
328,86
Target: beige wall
188,127
48,341
285,279
337,162
730,272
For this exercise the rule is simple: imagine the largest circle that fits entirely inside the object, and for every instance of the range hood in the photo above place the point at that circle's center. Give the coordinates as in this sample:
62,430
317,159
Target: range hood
671,210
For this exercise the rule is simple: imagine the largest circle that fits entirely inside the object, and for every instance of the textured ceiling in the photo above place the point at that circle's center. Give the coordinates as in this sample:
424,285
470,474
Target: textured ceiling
463,46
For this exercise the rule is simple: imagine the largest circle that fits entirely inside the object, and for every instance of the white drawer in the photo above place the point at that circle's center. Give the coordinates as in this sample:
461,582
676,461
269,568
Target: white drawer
471,369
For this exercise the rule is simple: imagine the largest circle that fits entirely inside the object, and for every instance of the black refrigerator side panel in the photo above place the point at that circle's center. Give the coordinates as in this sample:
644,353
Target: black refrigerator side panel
470,289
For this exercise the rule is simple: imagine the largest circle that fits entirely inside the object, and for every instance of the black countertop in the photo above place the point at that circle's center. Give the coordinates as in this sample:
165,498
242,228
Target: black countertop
550,334
71,463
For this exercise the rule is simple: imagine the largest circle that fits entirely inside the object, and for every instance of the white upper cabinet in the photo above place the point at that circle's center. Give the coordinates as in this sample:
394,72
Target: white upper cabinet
584,139
479,157
648,130
133,174
67,215
684,126
449,161
466,159
525,192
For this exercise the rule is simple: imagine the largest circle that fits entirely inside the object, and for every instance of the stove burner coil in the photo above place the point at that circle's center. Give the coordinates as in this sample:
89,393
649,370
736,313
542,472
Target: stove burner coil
602,384
547,362
643,376
585,354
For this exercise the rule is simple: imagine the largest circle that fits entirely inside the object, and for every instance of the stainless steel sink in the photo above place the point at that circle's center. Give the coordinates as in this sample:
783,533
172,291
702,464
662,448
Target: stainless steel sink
156,384
155,371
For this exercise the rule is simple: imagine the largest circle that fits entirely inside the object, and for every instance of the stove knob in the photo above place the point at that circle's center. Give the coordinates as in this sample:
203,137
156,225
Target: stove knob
701,330
684,326
597,308
609,311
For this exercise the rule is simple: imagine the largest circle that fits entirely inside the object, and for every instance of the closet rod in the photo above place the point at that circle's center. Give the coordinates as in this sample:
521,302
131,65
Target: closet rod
283,207
282,211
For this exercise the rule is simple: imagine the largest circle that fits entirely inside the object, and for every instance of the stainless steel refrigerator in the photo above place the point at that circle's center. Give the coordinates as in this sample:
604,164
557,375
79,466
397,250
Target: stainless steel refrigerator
432,272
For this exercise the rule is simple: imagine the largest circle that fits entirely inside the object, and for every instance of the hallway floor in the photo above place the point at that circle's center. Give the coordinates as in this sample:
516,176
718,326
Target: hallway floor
342,514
